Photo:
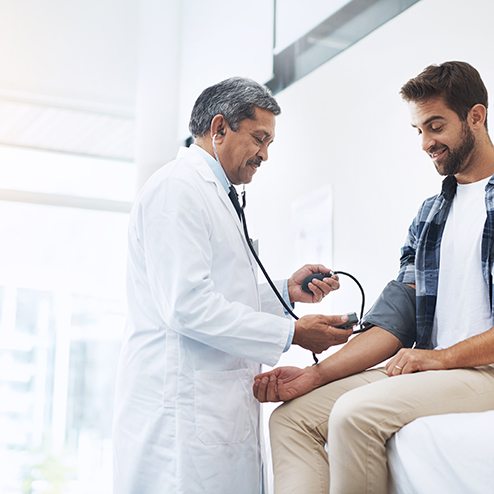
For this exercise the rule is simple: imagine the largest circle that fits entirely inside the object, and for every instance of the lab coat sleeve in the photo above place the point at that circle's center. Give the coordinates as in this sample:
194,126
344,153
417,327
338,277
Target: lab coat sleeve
269,301
175,232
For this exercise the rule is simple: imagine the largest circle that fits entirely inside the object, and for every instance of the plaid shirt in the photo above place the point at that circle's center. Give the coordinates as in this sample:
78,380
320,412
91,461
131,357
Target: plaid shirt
419,263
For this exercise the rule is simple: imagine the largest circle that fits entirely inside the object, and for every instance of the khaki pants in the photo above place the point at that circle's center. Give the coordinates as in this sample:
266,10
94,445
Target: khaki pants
356,416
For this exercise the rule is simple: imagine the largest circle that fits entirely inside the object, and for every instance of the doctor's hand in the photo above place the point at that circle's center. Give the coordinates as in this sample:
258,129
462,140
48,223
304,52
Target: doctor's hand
319,288
285,383
317,333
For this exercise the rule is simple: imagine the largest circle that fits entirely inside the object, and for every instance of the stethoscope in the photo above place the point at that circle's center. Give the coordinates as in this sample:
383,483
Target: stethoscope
240,210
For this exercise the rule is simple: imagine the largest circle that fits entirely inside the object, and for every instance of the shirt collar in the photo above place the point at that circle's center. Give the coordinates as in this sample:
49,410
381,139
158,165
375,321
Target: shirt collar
449,186
215,167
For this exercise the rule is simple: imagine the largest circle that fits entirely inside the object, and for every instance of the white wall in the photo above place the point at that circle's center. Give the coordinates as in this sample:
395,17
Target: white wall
221,40
186,46
346,125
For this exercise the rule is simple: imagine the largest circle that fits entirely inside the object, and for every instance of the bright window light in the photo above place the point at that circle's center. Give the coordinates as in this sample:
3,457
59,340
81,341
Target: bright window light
62,312
61,173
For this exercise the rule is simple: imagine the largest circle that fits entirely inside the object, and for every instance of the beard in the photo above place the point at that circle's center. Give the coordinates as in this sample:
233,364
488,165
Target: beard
456,160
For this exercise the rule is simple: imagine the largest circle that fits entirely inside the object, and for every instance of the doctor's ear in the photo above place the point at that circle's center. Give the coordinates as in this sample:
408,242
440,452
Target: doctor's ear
218,126
220,132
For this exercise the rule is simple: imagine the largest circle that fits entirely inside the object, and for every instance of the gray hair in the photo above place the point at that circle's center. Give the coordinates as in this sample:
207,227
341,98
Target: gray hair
235,98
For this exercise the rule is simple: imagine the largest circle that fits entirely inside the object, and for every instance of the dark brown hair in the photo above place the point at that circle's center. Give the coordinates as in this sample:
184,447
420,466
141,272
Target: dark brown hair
458,83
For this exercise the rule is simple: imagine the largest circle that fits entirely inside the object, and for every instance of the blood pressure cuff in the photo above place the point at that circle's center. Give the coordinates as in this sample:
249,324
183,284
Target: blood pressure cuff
394,311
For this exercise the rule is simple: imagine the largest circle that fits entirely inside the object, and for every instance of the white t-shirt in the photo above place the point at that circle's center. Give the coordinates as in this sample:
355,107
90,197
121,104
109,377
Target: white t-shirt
463,307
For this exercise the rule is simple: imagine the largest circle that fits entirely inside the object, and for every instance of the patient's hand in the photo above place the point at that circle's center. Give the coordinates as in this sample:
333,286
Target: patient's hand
284,383
409,360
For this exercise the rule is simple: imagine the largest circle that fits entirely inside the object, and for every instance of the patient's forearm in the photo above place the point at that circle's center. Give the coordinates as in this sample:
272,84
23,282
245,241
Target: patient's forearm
472,352
361,352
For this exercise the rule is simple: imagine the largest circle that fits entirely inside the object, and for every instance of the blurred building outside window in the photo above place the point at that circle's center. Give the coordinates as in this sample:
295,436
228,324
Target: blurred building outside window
62,313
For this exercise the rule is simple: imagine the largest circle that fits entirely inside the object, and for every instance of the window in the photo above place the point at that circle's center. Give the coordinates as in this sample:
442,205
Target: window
62,312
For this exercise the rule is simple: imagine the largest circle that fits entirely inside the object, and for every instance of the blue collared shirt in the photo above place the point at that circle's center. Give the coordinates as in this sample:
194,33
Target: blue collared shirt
223,179
419,263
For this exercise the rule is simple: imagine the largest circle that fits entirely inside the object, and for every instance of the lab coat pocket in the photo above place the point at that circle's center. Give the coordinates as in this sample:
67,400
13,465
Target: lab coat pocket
223,406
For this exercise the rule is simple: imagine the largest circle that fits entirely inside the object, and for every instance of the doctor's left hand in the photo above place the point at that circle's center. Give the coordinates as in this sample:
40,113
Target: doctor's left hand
319,288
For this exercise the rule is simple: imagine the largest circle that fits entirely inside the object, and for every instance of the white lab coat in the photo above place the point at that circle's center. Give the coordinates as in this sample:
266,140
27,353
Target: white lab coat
186,421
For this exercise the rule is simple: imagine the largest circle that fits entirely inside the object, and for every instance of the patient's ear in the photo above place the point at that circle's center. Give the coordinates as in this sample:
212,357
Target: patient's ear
477,115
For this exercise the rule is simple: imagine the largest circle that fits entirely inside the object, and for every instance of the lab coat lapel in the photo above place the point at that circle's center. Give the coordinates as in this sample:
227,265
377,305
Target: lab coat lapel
208,176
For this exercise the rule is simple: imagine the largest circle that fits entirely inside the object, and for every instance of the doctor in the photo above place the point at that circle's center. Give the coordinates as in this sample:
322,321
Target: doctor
199,325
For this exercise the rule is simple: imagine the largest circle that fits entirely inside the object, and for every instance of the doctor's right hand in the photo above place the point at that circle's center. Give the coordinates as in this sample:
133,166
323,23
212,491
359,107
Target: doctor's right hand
317,333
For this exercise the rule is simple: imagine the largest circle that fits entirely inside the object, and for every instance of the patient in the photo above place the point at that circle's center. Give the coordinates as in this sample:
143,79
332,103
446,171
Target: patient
440,304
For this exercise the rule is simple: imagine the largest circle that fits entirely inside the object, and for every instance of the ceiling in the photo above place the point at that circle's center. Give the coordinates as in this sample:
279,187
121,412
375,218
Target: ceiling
69,78
69,75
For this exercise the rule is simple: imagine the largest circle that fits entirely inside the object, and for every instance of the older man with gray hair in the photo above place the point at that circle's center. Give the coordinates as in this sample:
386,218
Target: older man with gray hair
199,325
